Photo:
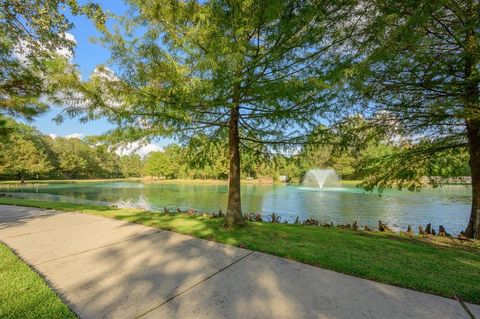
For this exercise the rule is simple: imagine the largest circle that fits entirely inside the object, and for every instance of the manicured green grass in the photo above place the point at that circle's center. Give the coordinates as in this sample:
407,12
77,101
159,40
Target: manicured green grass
442,267
24,294
351,182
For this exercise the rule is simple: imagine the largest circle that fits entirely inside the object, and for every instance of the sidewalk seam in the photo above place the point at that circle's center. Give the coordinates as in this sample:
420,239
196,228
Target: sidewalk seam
194,285
99,247
464,306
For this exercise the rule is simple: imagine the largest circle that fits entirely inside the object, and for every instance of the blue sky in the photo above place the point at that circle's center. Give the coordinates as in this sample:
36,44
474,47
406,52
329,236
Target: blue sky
87,56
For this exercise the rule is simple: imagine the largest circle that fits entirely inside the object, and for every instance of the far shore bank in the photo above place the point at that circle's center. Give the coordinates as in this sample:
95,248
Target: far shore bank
148,180
66,181
186,181
211,181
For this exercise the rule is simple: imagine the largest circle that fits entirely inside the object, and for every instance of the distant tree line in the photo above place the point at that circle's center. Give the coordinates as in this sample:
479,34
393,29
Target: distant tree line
351,151
29,154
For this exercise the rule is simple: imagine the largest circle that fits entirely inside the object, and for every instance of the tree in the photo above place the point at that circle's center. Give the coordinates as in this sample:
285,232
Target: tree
207,156
344,165
33,42
352,140
174,157
419,78
72,157
256,71
106,162
23,154
131,165
157,164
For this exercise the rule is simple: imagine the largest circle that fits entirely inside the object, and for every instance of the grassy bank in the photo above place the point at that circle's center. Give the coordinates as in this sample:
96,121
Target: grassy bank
185,181
154,181
24,294
73,181
442,267
351,182
194,181
244,181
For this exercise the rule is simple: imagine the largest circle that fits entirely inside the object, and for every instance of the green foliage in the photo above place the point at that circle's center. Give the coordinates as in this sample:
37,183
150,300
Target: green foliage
107,161
33,42
71,156
131,165
24,153
29,154
418,81
183,66
157,165
257,69
207,158
413,167
75,158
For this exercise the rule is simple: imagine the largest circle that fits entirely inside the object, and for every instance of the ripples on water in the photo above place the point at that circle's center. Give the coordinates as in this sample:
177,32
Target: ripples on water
448,206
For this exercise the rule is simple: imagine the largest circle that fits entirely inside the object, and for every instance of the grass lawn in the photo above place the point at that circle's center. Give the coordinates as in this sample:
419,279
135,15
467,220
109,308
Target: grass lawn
24,294
442,267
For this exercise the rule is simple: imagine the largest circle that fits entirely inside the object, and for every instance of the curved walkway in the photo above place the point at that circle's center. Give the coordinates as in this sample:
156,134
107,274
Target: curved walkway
106,268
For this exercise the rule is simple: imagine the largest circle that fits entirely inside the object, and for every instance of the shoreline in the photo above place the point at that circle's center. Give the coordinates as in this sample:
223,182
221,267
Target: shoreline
422,263
262,217
68,181
193,181
180,181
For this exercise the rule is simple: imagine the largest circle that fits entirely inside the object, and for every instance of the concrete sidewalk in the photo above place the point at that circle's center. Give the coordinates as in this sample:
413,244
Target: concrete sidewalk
106,268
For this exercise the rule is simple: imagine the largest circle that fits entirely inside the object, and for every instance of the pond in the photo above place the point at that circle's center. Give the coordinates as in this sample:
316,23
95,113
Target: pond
448,206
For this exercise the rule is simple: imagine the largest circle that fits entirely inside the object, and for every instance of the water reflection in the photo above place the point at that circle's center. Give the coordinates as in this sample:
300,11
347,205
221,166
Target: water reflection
448,206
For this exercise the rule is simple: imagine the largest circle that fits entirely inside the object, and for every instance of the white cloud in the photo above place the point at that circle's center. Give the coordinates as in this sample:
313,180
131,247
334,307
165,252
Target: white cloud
144,150
75,135
109,83
138,148
66,52
70,37
23,48
105,73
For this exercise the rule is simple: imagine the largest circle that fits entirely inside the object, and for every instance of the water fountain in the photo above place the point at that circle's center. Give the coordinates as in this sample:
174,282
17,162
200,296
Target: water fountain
321,178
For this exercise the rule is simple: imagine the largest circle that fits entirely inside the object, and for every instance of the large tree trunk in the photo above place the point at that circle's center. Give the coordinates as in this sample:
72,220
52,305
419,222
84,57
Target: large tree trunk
472,103
234,208
473,131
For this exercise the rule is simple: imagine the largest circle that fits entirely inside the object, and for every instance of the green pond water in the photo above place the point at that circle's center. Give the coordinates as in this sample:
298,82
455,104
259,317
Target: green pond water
448,206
